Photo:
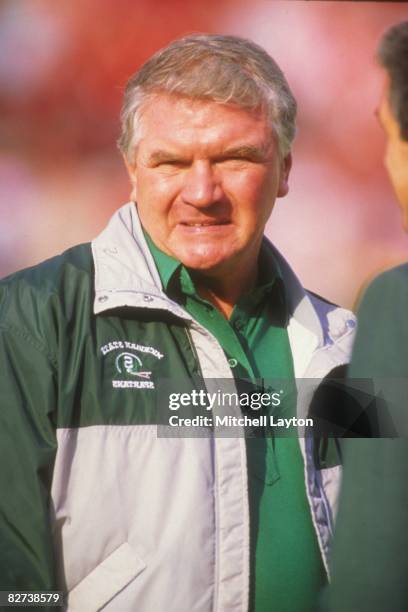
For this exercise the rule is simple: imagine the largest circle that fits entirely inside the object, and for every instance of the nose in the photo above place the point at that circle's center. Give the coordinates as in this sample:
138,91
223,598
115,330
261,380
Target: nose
201,186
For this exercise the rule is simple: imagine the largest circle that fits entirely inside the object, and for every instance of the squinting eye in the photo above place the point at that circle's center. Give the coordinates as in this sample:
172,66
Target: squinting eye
227,160
236,160
173,163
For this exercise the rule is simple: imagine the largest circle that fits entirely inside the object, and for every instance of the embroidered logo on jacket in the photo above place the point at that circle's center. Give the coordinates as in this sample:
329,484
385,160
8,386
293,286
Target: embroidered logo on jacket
130,365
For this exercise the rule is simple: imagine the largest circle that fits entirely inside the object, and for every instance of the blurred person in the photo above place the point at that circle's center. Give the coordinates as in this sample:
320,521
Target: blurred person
181,284
370,559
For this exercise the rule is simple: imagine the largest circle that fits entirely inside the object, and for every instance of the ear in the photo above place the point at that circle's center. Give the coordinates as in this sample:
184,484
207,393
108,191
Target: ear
286,165
131,170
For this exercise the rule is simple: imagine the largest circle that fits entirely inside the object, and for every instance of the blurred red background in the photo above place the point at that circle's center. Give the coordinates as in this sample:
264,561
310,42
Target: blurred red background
63,67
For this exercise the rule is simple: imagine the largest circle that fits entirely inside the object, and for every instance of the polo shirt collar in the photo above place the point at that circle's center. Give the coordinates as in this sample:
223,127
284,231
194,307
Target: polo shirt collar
172,271
167,266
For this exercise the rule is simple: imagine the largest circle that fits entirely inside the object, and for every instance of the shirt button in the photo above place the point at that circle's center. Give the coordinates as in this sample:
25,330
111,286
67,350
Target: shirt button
147,298
233,363
102,298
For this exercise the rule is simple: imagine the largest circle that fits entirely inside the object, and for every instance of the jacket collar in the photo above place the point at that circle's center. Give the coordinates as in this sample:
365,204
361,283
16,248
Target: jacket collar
125,272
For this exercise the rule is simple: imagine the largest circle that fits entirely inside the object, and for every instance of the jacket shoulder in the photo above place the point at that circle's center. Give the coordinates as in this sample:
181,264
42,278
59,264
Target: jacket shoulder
384,303
34,300
46,275
382,339
335,320
392,283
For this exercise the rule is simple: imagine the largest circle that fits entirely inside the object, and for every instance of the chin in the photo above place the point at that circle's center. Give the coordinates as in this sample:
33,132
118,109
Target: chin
204,259
202,265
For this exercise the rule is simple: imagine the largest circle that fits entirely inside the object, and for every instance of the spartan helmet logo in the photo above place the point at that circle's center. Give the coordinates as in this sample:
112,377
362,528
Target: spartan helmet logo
128,363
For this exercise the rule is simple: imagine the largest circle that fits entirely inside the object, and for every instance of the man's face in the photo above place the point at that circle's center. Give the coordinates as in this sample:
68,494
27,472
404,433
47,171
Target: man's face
205,179
396,153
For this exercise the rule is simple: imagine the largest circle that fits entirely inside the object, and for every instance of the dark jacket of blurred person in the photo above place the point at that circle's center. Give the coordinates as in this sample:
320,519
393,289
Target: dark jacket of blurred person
183,287
370,559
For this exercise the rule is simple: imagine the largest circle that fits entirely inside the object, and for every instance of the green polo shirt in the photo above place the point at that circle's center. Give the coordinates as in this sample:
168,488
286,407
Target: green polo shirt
286,566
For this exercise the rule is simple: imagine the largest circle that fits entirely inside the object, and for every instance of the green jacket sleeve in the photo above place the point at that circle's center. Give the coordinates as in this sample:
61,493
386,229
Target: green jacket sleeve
381,345
27,452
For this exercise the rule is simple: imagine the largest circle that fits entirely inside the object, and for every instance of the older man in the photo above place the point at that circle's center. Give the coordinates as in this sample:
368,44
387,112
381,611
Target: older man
181,284
371,553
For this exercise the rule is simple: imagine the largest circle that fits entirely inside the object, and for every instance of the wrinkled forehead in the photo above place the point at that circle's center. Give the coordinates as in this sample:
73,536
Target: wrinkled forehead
189,120
187,108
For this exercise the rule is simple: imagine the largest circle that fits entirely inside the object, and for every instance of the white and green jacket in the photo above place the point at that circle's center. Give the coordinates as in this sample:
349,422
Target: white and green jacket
92,501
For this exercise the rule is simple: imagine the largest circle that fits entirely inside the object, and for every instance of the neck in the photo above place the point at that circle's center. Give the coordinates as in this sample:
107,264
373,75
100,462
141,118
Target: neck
224,291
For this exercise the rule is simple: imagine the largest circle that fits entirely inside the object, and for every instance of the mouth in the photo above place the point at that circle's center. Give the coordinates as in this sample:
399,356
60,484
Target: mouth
194,224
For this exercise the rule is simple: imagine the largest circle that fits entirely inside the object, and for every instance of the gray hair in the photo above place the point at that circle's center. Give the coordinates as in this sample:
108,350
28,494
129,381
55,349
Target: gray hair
393,56
225,69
